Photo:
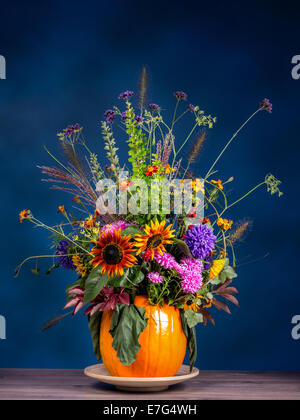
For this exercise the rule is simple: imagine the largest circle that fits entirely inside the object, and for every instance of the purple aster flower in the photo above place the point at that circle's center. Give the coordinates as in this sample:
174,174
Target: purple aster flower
191,107
138,119
65,261
109,115
155,277
167,260
266,105
201,240
126,95
191,274
181,96
154,107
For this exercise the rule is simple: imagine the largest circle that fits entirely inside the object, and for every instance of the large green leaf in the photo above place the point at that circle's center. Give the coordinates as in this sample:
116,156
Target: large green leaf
191,340
126,326
94,284
192,318
94,327
130,279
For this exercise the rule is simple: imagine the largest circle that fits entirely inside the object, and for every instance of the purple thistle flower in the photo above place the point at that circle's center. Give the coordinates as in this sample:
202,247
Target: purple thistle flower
72,129
154,107
64,260
167,260
266,105
191,274
126,95
124,116
155,277
109,115
138,119
181,96
201,240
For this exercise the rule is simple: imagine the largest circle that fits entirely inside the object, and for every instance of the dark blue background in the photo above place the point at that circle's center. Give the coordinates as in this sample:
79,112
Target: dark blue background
67,62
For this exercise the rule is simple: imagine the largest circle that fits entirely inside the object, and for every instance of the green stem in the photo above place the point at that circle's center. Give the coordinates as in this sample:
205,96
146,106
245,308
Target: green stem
230,140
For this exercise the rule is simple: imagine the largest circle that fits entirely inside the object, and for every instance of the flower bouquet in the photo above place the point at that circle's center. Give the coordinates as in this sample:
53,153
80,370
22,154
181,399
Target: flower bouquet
149,263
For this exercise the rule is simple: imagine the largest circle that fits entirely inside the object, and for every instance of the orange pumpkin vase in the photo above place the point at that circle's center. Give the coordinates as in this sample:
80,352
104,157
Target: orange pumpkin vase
163,343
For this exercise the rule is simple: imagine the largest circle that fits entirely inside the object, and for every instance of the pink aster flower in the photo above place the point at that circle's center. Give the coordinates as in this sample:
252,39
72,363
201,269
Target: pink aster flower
155,277
191,274
115,225
167,260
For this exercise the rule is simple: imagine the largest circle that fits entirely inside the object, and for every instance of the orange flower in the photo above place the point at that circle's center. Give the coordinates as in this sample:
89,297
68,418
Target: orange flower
89,222
76,199
23,215
124,185
61,209
224,223
151,170
113,253
168,169
217,183
205,220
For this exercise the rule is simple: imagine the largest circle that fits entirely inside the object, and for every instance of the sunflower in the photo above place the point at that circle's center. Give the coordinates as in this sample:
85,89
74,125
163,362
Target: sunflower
113,252
80,268
156,235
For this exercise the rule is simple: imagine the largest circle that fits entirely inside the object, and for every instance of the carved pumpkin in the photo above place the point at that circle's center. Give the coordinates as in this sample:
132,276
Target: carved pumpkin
163,343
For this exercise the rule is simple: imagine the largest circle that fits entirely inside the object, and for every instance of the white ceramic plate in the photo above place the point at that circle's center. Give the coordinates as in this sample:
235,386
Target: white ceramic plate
140,384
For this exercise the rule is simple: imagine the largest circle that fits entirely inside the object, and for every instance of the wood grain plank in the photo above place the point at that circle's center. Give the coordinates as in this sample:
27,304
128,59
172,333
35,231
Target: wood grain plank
72,384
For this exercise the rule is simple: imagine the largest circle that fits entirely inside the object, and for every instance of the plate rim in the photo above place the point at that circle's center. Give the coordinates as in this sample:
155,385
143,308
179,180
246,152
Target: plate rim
195,372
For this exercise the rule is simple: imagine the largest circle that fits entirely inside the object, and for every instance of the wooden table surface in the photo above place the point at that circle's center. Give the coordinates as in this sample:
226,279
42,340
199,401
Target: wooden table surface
73,384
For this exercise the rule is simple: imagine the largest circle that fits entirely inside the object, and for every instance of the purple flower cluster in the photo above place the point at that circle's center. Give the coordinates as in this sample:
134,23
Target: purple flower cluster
191,107
72,129
154,107
109,115
64,260
126,95
200,240
181,96
191,274
138,119
266,104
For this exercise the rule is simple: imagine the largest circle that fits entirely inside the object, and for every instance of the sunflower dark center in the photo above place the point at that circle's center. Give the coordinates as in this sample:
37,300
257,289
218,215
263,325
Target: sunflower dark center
112,254
155,241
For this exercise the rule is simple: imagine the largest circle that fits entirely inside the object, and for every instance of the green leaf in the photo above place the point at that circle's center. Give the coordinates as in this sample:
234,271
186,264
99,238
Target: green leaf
191,340
126,326
130,279
94,284
193,318
94,322
131,230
